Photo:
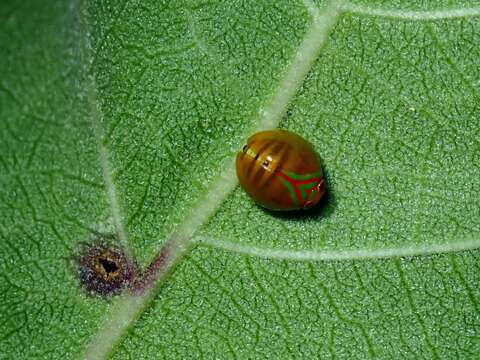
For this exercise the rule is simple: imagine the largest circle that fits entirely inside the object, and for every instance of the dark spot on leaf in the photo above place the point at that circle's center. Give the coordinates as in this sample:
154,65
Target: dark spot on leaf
104,269
109,266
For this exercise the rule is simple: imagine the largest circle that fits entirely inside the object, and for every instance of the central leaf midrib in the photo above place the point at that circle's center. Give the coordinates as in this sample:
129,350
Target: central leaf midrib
128,308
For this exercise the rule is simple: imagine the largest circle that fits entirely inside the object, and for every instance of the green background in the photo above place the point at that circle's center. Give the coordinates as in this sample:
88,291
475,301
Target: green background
391,104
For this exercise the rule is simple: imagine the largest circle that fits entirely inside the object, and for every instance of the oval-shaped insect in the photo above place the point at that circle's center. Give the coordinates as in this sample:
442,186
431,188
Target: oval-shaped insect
280,171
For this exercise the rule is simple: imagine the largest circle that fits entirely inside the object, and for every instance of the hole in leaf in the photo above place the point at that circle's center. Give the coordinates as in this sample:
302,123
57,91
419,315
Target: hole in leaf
104,269
108,266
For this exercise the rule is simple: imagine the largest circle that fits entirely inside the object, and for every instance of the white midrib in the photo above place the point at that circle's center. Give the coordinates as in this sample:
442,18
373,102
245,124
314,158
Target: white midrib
105,164
128,308
338,255
95,117
412,15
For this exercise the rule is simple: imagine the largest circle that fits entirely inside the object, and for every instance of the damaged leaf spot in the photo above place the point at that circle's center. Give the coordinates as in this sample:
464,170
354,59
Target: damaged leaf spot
107,265
104,269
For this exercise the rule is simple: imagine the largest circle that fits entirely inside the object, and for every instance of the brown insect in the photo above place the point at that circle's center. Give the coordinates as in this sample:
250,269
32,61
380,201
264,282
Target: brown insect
280,171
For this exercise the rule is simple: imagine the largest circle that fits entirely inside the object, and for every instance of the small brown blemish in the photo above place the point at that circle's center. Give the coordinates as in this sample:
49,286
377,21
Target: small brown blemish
104,269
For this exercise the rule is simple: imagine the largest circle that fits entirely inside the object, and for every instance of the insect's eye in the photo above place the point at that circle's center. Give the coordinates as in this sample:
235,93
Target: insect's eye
245,148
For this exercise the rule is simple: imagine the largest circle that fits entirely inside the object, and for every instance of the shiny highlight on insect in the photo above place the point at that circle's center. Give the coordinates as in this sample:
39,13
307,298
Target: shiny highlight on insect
280,171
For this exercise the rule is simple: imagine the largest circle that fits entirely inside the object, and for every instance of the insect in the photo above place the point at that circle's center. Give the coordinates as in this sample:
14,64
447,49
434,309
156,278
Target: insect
280,171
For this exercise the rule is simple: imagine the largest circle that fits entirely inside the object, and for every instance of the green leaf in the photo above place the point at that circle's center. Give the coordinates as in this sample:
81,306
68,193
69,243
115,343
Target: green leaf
126,116
222,305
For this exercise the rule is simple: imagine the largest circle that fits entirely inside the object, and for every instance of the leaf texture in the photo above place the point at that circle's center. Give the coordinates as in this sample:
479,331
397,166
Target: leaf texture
126,116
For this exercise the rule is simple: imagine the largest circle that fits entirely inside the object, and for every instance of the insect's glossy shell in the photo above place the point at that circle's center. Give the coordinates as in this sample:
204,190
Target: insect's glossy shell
280,171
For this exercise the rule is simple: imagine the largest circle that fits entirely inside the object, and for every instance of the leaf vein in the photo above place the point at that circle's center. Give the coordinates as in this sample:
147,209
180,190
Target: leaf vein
96,116
274,304
411,302
338,255
415,15
129,309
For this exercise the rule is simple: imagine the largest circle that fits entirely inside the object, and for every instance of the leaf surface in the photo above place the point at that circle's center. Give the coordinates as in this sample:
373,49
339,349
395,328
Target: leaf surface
126,116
